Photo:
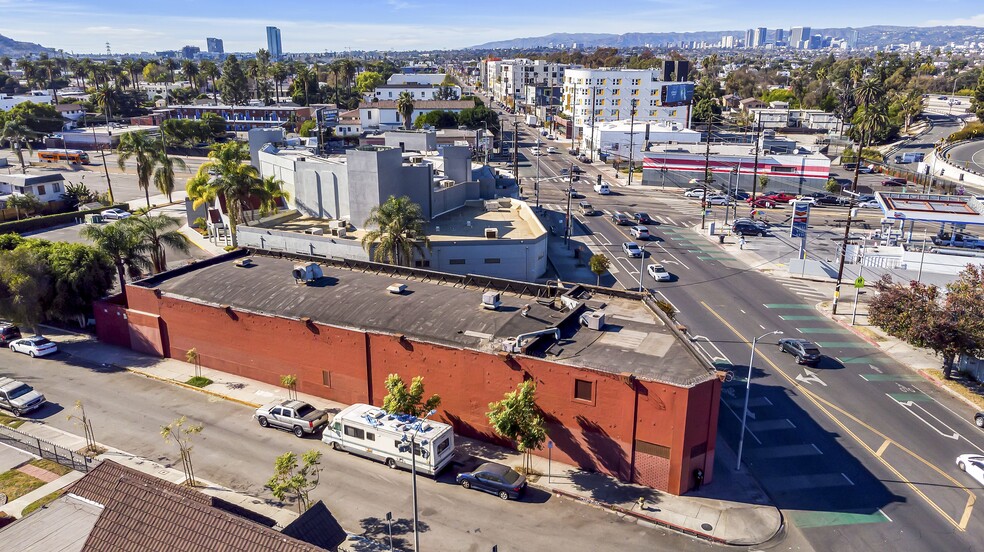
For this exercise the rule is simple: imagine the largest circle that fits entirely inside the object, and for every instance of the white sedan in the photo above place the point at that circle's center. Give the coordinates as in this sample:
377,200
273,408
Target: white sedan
873,204
34,346
808,200
696,192
973,464
115,214
658,273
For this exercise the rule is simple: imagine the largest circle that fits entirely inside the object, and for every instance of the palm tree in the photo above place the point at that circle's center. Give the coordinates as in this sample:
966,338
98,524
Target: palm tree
209,70
279,74
335,68
272,193
107,98
155,234
304,75
911,106
191,72
349,68
404,104
225,175
143,149
122,244
16,133
399,228
164,173
253,72
170,65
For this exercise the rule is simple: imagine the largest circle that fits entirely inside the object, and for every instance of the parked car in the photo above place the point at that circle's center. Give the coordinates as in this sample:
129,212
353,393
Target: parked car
621,219
717,200
658,272
35,346
745,228
763,203
866,169
979,419
632,249
829,200
115,214
872,204
694,192
643,218
551,137
805,351
298,417
804,199
8,333
583,158
639,232
780,197
19,398
973,464
740,195
892,182
496,479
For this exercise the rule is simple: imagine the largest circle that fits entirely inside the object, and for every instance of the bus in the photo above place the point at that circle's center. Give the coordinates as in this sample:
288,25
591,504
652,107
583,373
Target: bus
372,432
72,157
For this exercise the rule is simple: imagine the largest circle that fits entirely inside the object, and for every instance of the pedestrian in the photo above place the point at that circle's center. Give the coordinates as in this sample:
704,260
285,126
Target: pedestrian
741,242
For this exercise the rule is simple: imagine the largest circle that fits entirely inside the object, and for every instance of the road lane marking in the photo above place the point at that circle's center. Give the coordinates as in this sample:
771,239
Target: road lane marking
800,317
823,331
789,483
883,448
809,376
854,360
845,344
890,377
771,425
785,451
911,406
788,306
823,405
813,519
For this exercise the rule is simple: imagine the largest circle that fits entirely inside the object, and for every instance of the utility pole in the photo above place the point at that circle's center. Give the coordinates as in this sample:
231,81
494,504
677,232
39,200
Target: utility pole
632,112
707,170
536,183
573,113
847,225
755,169
516,152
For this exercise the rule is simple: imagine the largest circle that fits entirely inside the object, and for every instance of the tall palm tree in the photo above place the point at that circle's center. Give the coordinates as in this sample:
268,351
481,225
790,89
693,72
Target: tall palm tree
404,104
279,74
164,172
227,175
304,75
209,70
107,98
398,226
170,65
869,93
253,72
146,151
157,233
16,133
271,193
191,71
122,244
349,69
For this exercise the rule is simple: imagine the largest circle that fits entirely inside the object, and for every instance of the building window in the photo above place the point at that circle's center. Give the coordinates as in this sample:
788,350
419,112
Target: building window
56,188
422,264
635,91
583,390
492,261
40,189
787,170
456,261
326,378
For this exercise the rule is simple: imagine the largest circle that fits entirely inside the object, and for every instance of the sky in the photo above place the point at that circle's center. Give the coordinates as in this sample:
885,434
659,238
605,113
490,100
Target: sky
84,26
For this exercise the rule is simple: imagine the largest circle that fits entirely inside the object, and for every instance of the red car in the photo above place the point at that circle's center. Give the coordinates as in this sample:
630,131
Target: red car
763,203
780,197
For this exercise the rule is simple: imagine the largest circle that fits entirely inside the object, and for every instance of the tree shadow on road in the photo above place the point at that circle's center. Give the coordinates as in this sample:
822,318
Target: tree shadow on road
379,530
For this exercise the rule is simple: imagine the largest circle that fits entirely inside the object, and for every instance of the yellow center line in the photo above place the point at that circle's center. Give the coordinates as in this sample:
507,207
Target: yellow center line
819,403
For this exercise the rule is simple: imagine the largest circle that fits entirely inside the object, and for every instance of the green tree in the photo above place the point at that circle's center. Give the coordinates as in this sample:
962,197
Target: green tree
40,118
763,182
226,174
156,234
367,81
478,117
78,194
296,479
599,264
706,109
145,150
164,172
832,186
401,399
25,286
977,102
517,418
80,274
183,433
24,203
16,133
122,245
398,226
404,104
234,86
438,118
272,193
210,71
307,128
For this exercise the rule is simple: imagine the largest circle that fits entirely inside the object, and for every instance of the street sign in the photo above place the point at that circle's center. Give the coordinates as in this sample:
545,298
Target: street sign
859,283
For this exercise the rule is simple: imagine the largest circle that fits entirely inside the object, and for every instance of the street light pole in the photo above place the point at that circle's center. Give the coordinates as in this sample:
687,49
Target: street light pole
748,389
413,476
632,112
642,258
536,184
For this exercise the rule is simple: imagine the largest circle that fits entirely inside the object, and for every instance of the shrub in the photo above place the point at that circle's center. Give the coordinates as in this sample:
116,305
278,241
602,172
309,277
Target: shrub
199,381
969,132
41,223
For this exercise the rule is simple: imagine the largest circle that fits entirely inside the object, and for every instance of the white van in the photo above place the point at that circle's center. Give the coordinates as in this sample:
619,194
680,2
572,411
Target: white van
602,189
370,431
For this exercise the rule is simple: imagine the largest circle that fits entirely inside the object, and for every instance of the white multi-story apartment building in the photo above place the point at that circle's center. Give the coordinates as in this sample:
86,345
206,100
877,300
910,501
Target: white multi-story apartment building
507,79
416,91
613,91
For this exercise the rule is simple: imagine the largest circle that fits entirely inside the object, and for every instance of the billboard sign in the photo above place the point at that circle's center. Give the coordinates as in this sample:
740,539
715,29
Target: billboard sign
677,94
801,219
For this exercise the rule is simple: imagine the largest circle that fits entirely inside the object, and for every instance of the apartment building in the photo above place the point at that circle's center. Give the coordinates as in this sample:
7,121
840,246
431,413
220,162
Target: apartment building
507,79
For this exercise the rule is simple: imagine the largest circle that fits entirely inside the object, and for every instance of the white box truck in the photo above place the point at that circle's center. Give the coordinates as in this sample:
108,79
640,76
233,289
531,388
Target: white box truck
531,120
370,431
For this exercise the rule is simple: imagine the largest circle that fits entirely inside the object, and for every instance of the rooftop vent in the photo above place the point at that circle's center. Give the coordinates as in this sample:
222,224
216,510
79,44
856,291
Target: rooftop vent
492,233
396,288
594,320
491,300
306,274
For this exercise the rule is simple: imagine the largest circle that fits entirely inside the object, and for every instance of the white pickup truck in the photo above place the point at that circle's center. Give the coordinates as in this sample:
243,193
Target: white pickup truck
298,417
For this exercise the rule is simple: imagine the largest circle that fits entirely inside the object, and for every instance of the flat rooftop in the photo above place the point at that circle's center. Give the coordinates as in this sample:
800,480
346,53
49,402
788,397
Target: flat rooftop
470,223
446,309
932,208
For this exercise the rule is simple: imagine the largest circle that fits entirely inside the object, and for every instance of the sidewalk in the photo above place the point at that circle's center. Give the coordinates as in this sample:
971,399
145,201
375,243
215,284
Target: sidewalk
732,510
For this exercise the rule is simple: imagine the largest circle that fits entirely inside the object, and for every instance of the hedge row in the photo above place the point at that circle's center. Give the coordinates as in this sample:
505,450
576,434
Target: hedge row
40,223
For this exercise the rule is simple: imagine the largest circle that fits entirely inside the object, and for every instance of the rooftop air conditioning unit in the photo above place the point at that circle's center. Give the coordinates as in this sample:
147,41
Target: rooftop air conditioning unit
491,300
396,288
306,274
315,231
342,231
492,233
594,320
447,183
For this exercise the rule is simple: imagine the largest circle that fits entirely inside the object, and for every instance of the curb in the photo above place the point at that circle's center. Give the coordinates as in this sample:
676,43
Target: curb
851,328
193,388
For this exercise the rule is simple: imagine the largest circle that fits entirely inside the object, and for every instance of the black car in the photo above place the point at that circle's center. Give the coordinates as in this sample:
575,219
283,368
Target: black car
8,333
621,219
829,200
805,351
575,194
643,218
578,170
496,479
747,228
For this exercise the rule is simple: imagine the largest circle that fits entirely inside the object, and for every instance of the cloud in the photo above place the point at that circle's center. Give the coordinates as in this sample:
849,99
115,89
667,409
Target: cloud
972,21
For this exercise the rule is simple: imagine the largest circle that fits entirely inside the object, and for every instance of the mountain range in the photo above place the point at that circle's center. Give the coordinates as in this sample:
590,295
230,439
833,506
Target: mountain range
15,49
877,35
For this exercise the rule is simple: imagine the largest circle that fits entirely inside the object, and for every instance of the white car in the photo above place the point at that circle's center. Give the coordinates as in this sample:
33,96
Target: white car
717,200
551,149
536,151
697,192
115,214
639,232
658,273
809,200
873,204
973,464
551,137
34,346
632,249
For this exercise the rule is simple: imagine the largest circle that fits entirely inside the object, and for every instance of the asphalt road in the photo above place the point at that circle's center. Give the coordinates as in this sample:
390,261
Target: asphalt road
859,453
969,156
128,411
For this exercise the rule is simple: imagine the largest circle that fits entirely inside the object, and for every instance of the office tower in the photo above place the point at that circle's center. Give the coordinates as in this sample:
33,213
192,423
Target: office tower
852,38
273,42
189,52
759,38
749,38
682,70
214,45
799,37
780,36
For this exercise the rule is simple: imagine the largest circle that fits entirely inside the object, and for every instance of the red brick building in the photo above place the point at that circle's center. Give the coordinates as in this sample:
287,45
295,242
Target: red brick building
632,399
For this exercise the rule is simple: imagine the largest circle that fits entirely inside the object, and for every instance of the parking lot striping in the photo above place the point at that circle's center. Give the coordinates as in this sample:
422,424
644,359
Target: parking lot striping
884,446
891,377
823,330
800,317
845,344
787,306
812,519
826,406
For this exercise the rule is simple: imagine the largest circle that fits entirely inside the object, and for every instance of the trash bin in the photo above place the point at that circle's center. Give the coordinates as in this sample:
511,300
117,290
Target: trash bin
721,238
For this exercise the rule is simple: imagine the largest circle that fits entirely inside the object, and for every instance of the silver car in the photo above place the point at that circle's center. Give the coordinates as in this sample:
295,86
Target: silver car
298,417
19,398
